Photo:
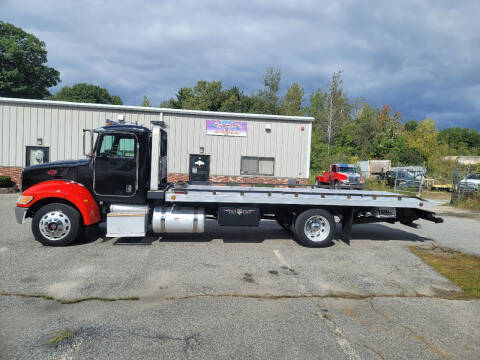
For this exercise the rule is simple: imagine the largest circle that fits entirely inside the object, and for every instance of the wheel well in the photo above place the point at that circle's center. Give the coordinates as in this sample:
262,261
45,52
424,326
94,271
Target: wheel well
34,208
291,213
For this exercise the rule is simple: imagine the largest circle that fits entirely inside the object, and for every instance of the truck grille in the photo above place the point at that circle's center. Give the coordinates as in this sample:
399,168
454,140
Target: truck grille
353,179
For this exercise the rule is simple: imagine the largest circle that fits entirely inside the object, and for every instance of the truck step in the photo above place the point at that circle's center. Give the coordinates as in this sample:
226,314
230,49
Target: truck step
124,223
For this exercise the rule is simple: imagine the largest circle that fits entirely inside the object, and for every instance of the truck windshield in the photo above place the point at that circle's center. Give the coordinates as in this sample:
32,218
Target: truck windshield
346,169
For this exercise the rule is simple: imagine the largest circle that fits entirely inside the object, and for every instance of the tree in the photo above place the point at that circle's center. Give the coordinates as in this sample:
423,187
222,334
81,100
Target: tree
234,100
330,109
207,95
338,109
180,99
266,101
411,125
145,102
23,73
464,141
86,93
292,101
425,139
388,142
317,107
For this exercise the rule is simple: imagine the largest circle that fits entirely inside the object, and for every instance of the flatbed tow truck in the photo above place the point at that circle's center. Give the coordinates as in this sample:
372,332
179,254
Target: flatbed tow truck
123,182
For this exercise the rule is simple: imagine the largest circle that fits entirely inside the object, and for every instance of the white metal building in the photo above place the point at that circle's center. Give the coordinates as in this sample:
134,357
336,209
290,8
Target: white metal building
242,147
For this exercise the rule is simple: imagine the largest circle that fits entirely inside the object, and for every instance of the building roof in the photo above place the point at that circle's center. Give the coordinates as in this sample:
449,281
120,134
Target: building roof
156,110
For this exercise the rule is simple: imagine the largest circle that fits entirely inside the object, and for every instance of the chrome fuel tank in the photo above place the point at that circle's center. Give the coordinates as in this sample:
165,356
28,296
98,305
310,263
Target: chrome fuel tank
176,219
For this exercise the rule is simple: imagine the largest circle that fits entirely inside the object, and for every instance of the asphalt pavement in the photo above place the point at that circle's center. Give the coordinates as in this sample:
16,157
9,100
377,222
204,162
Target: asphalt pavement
234,293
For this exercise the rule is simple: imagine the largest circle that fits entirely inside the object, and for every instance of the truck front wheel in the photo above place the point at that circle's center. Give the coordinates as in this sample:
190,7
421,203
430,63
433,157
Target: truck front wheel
315,228
56,224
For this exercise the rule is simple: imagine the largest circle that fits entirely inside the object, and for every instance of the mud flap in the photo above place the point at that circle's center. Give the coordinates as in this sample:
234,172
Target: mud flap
430,216
347,220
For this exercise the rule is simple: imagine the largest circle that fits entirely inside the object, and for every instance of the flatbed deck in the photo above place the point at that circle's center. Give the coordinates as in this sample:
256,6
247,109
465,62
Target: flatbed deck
292,196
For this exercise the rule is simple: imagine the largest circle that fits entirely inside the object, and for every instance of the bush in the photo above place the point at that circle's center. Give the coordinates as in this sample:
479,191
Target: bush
6,181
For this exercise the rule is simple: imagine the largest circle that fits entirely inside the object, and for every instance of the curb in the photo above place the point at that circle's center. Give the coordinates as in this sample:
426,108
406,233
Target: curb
10,190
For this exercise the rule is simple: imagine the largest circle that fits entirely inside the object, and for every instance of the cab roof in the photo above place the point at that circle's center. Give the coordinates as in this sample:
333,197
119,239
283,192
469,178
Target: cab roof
123,128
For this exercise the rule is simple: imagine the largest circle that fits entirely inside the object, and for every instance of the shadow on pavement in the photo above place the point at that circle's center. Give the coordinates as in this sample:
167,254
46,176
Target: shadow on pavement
232,234
380,232
239,234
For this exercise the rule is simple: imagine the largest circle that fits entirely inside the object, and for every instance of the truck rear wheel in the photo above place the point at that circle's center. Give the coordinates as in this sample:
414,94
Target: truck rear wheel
56,224
315,228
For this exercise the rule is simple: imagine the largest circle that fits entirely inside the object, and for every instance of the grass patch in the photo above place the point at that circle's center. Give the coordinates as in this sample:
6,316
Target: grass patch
61,336
470,202
461,269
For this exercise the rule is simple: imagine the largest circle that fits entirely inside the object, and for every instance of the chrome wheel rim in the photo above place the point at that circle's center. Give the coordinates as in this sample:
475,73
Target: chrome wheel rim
55,225
317,228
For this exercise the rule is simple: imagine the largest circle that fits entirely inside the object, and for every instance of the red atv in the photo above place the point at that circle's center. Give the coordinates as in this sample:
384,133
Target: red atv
340,174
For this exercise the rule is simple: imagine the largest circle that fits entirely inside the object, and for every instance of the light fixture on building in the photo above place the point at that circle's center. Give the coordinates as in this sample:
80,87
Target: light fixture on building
202,149
268,127
39,141
121,119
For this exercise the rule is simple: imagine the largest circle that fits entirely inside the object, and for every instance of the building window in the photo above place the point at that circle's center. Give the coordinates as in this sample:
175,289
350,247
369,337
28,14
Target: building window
37,155
257,166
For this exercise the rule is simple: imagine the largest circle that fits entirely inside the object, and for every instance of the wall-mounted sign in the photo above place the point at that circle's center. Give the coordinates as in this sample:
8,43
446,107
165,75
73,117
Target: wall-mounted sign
226,128
36,155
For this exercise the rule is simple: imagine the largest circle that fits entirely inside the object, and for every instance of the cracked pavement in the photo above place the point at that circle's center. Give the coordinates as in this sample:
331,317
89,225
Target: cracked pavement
232,293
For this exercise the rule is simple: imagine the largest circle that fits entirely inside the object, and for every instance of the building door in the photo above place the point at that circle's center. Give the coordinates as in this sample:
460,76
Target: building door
116,167
199,169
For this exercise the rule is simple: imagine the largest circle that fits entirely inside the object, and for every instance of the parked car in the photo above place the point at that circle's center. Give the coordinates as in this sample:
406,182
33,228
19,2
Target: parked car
405,177
470,183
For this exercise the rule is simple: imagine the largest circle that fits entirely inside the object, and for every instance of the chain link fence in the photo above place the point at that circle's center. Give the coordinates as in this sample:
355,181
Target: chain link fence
409,180
461,180
465,185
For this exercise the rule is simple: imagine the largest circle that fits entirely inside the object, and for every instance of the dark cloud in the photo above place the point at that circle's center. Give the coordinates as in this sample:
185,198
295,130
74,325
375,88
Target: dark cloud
420,56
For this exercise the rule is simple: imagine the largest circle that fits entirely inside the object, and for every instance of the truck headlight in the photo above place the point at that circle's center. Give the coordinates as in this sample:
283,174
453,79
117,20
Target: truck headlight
24,199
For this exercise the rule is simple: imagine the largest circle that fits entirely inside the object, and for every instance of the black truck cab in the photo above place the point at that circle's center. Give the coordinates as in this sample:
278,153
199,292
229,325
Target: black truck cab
117,169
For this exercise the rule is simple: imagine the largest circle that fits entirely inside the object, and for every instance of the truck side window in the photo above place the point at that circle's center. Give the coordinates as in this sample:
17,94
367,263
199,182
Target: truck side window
126,147
121,145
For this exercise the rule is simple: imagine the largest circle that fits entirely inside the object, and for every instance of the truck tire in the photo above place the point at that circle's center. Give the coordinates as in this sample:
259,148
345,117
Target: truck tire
315,228
56,224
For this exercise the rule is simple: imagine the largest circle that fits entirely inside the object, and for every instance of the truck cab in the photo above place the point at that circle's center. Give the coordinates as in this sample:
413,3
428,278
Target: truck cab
340,174
117,167
117,170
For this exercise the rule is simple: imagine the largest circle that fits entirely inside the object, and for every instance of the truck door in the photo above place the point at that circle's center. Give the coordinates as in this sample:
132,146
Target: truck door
332,175
116,165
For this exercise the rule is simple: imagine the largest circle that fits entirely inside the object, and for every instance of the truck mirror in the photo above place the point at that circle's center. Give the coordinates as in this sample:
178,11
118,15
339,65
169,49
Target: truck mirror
88,153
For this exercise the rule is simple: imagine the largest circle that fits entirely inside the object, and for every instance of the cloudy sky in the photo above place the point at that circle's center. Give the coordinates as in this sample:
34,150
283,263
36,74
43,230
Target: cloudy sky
422,57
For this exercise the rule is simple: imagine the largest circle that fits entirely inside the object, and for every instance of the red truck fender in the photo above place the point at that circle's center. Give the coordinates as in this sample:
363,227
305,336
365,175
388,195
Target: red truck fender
73,192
